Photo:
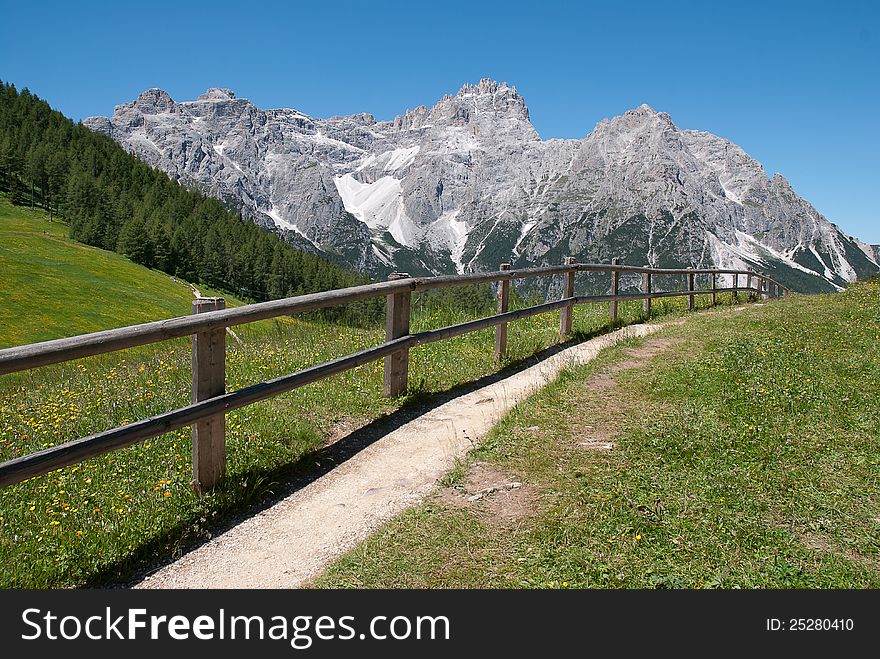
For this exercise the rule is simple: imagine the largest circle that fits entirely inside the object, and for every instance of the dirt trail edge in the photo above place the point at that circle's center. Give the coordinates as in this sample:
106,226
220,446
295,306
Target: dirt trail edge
291,542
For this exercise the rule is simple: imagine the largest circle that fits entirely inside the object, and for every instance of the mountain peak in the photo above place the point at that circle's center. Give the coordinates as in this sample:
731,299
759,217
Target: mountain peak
646,113
779,180
154,100
217,94
486,102
468,182
500,99
642,119
485,86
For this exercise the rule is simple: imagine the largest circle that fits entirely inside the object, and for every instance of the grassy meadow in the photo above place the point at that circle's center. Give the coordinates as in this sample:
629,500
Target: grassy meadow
746,454
52,286
97,522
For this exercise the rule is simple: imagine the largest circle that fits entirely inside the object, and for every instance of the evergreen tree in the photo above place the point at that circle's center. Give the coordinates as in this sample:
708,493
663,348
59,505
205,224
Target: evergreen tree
134,242
162,252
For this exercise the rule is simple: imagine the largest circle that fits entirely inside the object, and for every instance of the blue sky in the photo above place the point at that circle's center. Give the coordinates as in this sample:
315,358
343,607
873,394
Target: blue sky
797,85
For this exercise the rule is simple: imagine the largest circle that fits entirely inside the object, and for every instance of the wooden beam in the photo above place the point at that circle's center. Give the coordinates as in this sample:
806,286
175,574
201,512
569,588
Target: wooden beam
397,313
714,289
24,467
587,299
68,453
451,281
615,289
430,336
646,288
208,381
605,267
566,313
501,328
690,286
96,343
59,350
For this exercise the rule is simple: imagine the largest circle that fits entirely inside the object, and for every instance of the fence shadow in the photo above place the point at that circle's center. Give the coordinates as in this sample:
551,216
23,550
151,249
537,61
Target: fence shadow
280,482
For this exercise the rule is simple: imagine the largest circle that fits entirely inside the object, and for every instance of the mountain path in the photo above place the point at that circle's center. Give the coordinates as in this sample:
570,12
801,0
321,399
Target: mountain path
292,541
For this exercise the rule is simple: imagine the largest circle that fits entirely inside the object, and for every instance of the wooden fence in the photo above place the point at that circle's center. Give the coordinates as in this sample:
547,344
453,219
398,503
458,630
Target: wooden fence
207,327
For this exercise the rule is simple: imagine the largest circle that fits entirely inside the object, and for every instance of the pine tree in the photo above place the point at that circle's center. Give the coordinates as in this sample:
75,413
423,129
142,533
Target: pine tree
134,242
162,252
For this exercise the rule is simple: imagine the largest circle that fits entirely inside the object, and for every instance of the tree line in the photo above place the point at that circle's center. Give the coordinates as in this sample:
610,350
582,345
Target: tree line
110,199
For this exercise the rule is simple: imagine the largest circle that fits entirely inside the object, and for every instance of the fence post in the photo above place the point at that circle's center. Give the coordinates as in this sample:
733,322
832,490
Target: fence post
565,314
749,292
646,288
615,290
397,306
208,381
501,328
735,281
714,286
690,280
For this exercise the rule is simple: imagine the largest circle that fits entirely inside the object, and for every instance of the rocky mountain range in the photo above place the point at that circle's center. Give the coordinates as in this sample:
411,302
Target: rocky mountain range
468,184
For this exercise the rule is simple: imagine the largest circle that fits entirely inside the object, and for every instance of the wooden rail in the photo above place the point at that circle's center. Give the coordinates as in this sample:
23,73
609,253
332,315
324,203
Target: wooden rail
207,325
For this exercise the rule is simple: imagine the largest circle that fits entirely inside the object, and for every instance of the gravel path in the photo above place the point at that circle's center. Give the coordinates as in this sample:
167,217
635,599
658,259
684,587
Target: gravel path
291,542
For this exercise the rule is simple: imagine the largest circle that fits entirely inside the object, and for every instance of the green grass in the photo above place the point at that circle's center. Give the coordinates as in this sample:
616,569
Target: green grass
53,286
97,522
746,456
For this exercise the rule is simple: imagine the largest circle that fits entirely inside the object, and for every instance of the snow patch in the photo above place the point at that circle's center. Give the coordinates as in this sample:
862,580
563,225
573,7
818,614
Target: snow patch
391,161
835,249
482,244
382,256
524,231
449,230
220,150
749,249
730,194
324,139
868,251
281,223
379,205
144,139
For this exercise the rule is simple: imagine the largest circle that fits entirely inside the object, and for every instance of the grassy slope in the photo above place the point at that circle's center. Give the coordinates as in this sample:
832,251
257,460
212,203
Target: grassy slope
745,456
96,522
53,286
